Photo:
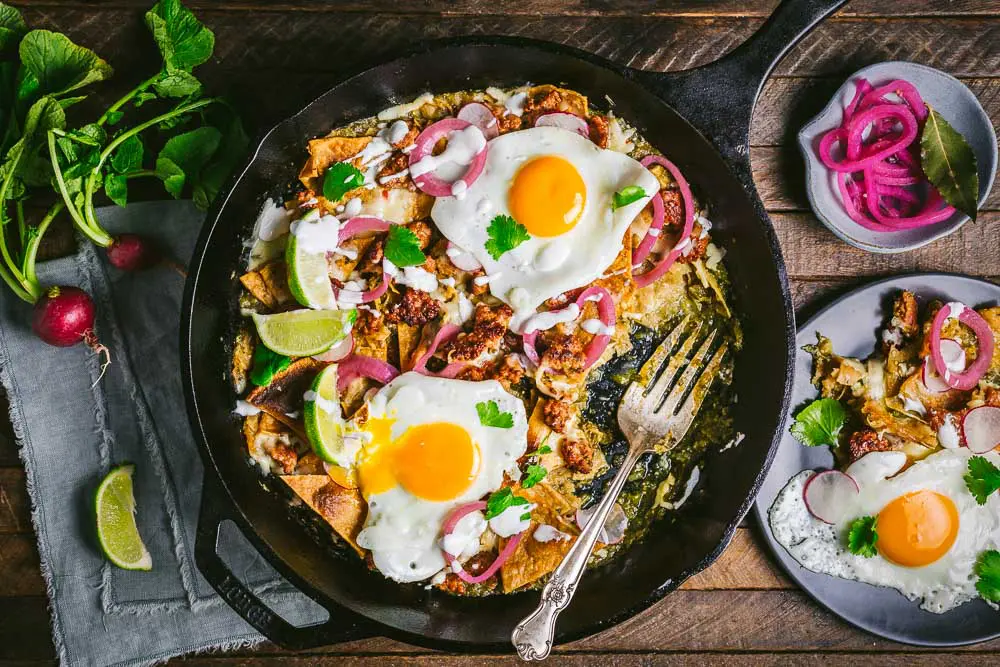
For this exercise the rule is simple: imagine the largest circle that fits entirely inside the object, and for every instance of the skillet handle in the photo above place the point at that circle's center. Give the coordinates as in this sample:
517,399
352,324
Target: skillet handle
341,626
719,98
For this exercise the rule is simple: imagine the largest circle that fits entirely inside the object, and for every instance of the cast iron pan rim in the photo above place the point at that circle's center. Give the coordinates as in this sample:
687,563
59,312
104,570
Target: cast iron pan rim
187,316
760,511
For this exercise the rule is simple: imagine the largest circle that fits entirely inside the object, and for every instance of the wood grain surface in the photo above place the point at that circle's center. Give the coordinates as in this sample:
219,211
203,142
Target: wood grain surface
273,57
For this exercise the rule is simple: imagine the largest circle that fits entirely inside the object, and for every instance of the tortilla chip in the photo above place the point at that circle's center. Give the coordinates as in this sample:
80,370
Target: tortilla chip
344,509
571,102
324,152
242,361
290,423
254,283
532,559
373,343
408,339
878,417
310,464
284,393
250,426
275,276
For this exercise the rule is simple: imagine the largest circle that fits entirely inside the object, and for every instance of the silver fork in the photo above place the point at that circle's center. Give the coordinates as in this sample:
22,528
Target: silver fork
655,413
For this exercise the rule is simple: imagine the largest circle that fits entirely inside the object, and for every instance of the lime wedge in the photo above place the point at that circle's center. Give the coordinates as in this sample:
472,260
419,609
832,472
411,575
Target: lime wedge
309,277
302,333
324,422
116,529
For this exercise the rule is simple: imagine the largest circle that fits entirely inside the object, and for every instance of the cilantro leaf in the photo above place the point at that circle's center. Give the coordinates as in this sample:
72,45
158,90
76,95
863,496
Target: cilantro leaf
177,84
862,537
505,234
533,475
57,66
402,247
341,178
183,157
988,570
820,422
490,415
983,478
12,27
544,449
501,500
626,196
266,364
128,156
183,40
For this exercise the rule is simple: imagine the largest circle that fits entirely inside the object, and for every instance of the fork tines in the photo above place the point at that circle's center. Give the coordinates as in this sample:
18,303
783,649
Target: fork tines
667,394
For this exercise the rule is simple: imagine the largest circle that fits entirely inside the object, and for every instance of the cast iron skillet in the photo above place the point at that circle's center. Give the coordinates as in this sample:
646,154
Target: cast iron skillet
710,145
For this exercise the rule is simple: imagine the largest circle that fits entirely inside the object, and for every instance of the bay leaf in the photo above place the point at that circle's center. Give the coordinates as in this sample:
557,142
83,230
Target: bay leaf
949,163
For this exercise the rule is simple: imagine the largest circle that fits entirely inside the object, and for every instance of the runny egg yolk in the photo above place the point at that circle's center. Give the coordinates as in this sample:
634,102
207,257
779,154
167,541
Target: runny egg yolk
547,196
435,461
917,528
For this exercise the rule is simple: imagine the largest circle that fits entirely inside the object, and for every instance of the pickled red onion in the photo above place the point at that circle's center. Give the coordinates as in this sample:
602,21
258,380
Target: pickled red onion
368,296
641,251
687,198
969,378
480,115
360,225
423,147
595,348
445,333
508,549
359,365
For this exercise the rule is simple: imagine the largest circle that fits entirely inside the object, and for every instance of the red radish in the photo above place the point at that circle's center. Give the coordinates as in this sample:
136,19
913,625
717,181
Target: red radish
981,428
339,351
480,116
131,252
828,495
461,259
932,381
64,316
566,121
614,526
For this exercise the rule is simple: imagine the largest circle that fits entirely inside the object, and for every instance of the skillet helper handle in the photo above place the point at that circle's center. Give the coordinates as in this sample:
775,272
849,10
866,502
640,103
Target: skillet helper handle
719,98
533,637
339,627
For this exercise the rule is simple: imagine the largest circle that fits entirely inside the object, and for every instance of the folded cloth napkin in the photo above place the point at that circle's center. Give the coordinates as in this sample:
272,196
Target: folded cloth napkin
72,427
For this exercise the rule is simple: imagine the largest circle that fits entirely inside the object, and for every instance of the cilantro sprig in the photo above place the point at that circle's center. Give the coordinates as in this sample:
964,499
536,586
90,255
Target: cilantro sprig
341,178
505,234
533,475
266,364
862,537
820,423
983,478
501,500
988,570
490,415
402,247
544,449
626,196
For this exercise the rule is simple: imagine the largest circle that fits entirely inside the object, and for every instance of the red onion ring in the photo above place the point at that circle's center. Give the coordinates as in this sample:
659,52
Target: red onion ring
641,251
444,334
595,348
687,198
359,365
508,550
339,350
368,295
424,145
851,139
528,343
566,121
480,115
969,378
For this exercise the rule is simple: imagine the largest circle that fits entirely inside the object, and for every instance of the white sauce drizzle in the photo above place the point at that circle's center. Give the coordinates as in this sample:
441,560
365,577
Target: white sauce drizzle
596,327
549,318
463,146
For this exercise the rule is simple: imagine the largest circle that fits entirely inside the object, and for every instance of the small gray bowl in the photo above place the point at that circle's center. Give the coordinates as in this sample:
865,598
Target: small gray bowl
943,92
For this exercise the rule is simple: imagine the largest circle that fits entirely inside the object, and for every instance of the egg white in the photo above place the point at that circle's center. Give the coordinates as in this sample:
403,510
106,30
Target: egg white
544,267
402,530
941,585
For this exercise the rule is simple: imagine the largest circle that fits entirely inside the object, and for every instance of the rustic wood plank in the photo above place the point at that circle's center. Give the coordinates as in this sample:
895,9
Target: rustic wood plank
812,251
15,508
20,572
620,660
739,8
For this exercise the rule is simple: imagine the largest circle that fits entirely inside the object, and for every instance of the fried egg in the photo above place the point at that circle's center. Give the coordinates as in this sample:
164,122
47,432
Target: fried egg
930,528
424,452
560,186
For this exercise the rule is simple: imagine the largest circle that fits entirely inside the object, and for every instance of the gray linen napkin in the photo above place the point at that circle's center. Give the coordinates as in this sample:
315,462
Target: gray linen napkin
70,434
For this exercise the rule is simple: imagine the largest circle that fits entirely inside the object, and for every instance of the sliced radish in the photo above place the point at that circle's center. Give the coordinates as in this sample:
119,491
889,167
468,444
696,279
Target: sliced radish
932,381
981,428
461,258
829,495
566,121
614,526
339,351
480,116
953,355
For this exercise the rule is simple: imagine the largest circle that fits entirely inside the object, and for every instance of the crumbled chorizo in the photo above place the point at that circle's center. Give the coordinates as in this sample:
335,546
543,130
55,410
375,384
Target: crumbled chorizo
673,208
599,130
904,314
564,356
864,441
408,138
422,231
991,397
395,164
548,102
488,328
478,563
698,247
416,308
578,455
306,199
368,323
509,372
556,414
371,262
285,456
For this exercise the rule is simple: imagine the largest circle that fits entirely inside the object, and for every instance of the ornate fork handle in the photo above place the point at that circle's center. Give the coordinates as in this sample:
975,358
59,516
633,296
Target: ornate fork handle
533,636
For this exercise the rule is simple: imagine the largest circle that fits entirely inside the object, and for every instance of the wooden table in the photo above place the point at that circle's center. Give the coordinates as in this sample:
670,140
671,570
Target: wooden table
273,57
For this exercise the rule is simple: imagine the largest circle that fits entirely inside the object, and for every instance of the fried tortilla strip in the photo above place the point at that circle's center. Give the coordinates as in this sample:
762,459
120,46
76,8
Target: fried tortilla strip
343,509
254,283
532,559
242,360
409,340
324,152
275,276
878,417
284,393
294,425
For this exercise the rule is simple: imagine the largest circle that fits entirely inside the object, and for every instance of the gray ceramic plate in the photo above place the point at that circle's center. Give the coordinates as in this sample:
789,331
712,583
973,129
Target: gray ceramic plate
851,323
943,92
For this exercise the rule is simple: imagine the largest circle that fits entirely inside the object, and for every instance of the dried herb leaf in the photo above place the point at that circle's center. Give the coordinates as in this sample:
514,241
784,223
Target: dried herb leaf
950,164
